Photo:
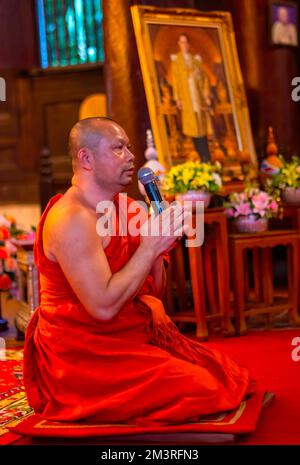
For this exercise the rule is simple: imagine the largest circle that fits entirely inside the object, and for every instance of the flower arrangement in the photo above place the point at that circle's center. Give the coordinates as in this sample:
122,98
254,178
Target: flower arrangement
9,236
251,202
288,177
193,175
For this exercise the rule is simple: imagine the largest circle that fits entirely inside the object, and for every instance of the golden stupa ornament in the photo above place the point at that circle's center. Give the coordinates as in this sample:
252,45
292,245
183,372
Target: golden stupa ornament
272,164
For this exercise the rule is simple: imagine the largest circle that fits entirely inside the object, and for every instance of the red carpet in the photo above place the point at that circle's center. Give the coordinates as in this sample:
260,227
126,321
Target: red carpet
268,356
13,403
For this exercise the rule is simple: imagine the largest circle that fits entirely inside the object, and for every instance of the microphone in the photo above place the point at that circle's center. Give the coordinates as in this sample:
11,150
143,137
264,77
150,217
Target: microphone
147,178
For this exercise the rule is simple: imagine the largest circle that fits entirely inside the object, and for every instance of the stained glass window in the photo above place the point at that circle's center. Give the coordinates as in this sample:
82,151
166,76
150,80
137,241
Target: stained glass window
70,32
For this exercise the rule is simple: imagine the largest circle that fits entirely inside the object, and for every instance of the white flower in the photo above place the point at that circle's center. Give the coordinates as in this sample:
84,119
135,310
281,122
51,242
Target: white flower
217,178
4,222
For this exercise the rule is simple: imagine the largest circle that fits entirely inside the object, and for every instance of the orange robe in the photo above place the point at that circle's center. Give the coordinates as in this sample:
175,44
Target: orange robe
136,368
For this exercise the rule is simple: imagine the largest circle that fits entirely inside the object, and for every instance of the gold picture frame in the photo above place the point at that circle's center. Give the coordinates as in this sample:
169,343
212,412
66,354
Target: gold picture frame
217,117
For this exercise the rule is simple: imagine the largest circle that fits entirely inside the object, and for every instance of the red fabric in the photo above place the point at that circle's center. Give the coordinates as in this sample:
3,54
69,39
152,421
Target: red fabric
243,420
136,368
8,438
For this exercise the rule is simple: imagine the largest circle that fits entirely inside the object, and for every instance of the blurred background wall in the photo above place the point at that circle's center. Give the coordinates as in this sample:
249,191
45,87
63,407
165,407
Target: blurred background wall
44,102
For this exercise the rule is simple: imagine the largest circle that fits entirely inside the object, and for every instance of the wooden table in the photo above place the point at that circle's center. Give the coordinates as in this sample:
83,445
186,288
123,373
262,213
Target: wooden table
264,242
209,279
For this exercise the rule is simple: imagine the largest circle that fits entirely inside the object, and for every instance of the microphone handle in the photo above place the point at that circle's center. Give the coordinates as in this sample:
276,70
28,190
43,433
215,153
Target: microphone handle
154,197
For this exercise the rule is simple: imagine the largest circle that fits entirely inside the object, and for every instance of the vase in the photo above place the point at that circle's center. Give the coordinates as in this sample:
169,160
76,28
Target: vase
251,224
291,195
195,196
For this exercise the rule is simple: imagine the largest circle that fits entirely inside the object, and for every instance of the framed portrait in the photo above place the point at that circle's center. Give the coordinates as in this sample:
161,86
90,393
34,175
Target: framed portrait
194,87
283,23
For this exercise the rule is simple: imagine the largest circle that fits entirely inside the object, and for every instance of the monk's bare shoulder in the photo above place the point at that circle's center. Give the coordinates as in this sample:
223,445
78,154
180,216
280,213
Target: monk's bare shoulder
68,223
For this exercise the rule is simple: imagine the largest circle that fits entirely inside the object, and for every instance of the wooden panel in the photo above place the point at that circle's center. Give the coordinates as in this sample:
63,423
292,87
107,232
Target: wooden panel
40,110
18,52
58,119
57,96
18,35
8,162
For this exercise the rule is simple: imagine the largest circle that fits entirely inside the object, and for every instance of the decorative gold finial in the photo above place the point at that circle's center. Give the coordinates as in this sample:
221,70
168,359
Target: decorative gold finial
272,148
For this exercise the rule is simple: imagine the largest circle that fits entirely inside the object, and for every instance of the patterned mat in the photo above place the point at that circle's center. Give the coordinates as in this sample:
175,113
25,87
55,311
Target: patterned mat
18,419
13,402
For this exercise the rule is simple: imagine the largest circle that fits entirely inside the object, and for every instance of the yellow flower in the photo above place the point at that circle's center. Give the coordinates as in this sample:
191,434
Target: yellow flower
291,174
191,175
187,175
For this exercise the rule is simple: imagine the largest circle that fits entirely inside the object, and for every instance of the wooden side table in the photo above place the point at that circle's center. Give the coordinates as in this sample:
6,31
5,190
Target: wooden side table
28,287
209,278
217,275
176,277
264,242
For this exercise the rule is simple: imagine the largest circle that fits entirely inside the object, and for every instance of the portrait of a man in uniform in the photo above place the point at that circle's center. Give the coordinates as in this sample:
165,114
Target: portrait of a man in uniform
191,92
194,88
194,92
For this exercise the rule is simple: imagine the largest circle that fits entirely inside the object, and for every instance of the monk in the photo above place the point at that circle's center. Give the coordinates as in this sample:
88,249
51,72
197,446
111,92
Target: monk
100,347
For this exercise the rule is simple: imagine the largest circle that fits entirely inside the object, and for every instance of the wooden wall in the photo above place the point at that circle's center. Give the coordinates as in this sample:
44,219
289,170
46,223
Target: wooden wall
41,106
56,97
18,52
40,109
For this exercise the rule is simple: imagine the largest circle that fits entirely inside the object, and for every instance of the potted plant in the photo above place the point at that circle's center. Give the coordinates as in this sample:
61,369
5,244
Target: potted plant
251,210
285,185
193,181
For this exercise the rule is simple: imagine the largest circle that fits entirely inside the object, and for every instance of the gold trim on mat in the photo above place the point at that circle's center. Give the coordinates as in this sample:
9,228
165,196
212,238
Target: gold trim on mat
41,424
235,418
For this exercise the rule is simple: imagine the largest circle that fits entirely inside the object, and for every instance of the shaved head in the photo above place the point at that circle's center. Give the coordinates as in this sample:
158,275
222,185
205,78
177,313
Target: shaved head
88,133
100,151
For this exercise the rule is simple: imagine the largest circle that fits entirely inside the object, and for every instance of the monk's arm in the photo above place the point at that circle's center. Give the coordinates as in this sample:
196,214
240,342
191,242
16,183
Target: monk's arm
79,251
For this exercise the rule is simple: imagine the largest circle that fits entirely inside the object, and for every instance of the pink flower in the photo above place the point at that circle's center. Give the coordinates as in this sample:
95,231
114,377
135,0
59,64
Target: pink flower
230,212
273,206
10,247
261,200
260,203
243,209
31,236
243,197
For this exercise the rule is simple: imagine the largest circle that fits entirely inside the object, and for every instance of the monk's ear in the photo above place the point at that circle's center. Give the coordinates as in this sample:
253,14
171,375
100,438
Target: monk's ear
85,158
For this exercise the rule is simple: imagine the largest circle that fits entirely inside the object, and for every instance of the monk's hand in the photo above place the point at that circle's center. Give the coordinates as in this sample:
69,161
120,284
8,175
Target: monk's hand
160,232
